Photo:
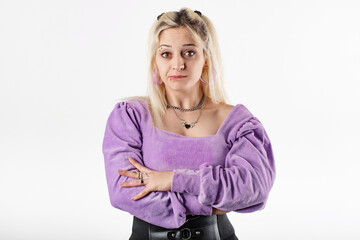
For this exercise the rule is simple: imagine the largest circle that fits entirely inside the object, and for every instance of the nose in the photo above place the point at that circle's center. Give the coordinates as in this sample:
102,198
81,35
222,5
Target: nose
178,63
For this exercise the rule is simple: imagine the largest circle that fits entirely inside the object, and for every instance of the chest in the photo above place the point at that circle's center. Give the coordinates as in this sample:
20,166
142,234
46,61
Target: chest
172,146
164,151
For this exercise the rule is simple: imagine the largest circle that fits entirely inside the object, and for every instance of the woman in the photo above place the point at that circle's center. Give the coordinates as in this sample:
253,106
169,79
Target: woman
181,158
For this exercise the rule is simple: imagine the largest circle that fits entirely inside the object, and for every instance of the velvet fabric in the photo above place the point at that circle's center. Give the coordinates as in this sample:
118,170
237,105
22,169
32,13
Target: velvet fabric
232,170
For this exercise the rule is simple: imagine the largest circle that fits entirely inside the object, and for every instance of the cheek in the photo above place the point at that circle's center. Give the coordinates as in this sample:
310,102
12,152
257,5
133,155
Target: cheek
161,69
161,66
198,67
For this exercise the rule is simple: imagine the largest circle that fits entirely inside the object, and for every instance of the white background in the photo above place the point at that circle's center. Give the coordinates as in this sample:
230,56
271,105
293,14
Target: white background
64,65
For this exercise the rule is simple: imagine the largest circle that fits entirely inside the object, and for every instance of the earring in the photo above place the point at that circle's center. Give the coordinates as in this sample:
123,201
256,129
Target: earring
216,76
155,80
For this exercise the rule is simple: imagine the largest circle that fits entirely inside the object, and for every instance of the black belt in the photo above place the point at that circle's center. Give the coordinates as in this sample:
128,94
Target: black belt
213,227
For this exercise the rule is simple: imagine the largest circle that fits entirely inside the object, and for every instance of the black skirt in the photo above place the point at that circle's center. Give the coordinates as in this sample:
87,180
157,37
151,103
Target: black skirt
199,227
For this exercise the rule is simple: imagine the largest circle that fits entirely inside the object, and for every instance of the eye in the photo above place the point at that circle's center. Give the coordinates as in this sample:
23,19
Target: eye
189,53
165,54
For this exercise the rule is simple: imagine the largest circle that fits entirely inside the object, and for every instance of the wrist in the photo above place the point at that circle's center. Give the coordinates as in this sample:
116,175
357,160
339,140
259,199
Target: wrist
171,175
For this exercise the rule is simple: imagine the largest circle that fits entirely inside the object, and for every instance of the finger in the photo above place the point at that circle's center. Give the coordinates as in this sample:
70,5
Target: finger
128,173
134,183
139,166
141,194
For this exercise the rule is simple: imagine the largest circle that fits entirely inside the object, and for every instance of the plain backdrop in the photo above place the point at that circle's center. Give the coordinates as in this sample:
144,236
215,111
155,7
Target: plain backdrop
64,65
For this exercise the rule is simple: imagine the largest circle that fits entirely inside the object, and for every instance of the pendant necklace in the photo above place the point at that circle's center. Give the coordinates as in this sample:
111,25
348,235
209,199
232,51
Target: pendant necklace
183,122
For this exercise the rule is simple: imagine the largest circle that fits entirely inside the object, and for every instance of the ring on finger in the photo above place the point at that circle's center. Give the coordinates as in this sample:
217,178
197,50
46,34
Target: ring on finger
137,172
141,178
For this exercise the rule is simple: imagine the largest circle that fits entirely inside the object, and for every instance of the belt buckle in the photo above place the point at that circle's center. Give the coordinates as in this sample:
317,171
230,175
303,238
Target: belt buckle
185,233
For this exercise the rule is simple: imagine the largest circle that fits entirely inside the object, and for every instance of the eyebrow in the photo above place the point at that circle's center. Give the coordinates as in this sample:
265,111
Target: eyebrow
185,45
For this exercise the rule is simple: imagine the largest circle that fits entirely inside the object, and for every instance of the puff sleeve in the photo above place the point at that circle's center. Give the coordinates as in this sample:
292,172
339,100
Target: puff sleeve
244,182
123,139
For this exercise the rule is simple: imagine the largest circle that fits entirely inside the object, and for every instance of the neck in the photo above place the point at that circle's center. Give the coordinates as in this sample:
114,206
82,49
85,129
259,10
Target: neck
186,100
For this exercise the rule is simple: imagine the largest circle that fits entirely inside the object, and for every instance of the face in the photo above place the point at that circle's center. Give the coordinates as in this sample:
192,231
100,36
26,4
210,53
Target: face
179,59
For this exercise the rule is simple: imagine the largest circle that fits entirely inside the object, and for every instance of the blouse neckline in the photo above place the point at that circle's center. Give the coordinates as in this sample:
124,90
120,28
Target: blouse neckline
209,136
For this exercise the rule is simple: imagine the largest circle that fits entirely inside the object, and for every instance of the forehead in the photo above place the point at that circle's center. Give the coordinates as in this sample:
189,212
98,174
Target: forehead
173,36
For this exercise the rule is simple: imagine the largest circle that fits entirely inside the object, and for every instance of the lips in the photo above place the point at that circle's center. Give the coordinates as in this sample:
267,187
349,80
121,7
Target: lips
177,76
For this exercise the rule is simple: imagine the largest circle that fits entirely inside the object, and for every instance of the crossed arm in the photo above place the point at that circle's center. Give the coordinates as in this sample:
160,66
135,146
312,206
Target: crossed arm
152,180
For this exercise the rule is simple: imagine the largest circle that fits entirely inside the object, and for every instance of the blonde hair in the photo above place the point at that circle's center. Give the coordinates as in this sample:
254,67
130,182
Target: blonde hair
203,31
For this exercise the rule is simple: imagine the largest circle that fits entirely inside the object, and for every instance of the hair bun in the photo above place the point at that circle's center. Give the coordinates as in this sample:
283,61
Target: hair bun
198,12
158,17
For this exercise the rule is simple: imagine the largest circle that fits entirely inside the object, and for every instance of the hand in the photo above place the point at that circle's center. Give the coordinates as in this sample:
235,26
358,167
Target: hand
153,180
216,211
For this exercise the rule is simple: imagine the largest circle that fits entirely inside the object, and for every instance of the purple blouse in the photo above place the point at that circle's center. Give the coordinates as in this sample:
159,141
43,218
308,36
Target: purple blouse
232,170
